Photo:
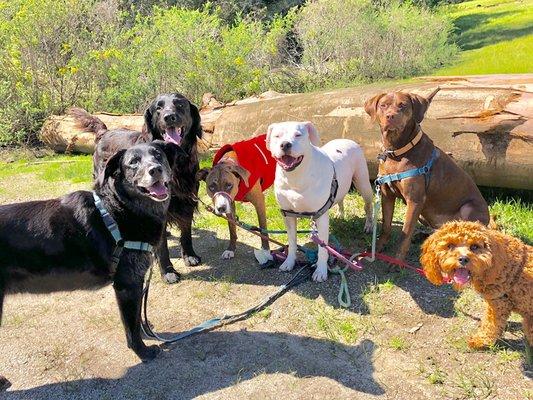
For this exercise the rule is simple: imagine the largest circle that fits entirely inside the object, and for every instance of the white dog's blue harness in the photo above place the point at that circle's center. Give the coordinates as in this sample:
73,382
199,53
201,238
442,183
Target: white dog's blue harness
120,243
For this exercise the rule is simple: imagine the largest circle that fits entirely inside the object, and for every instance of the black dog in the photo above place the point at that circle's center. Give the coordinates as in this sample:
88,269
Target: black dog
68,237
173,118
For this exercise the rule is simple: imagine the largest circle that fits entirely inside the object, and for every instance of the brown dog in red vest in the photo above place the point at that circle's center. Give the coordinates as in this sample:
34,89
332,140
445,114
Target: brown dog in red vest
241,171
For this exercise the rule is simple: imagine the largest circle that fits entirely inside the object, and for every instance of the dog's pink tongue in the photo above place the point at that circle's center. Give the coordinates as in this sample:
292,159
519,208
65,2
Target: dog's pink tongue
287,160
172,135
461,276
158,190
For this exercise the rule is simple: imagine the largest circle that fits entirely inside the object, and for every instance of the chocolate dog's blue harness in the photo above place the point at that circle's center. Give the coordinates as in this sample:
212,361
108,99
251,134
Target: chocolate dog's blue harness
120,243
424,170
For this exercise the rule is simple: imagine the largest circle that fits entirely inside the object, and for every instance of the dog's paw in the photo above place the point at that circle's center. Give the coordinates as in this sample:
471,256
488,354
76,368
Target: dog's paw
171,277
228,254
320,274
191,261
263,256
148,353
287,265
478,343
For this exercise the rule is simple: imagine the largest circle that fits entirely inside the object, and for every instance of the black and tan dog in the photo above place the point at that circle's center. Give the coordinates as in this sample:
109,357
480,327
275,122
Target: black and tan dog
64,244
174,119
241,171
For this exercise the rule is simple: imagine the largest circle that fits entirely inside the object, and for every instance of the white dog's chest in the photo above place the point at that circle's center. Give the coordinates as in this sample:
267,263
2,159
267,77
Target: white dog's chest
310,198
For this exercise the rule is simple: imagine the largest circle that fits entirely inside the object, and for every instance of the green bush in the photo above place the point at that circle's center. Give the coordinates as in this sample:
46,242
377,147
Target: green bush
45,63
199,54
115,55
346,41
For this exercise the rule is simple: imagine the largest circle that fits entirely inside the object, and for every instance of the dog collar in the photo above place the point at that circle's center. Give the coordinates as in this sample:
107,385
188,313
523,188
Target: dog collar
112,227
329,203
402,150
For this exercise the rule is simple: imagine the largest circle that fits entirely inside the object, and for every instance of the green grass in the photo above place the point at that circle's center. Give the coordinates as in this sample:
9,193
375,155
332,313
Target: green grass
495,36
55,168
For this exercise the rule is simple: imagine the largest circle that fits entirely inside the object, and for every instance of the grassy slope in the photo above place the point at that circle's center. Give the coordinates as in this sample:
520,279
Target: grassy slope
495,36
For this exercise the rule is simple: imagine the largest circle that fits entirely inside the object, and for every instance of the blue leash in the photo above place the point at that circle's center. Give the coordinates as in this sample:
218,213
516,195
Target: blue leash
302,275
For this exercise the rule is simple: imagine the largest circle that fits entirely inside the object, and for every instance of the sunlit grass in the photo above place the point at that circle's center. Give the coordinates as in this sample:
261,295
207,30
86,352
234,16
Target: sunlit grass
495,36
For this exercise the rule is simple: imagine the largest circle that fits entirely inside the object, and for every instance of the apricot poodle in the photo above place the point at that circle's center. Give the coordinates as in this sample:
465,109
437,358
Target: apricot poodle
499,267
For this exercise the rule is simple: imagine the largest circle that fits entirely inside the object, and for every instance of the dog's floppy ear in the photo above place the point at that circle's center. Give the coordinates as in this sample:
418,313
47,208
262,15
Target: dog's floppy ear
268,134
430,261
314,137
148,127
494,244
112,166
371,105
420,105
196,126
201,175
241,173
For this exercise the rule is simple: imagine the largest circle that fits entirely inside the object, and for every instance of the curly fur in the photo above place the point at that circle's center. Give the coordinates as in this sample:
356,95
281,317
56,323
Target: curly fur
500,268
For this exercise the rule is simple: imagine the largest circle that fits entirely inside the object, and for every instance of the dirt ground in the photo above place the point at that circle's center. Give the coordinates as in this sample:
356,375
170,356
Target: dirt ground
401,339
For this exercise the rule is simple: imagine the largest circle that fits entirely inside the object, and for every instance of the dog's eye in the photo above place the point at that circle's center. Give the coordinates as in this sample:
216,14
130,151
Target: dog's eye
451,246
383,105
229,185
401,106
474,247
158,156
298,135
212,187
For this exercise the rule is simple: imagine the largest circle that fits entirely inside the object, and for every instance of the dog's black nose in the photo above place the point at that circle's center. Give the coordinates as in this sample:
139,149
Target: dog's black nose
285,146
170,118
463,260
155,171
221,209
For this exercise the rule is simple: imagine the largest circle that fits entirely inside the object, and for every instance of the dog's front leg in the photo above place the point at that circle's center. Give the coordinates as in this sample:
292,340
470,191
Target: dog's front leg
128,292
411,217
321,271
168,273
230,252
387,211
492,324
288,264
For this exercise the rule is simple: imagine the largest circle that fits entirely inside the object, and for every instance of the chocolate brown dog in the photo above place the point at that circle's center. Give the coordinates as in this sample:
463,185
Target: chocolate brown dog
438,193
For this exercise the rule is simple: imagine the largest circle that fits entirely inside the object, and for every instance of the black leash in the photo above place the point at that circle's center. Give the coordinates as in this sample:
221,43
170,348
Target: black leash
302,275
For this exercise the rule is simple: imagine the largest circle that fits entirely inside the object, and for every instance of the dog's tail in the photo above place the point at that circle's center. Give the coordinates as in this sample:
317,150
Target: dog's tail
88,122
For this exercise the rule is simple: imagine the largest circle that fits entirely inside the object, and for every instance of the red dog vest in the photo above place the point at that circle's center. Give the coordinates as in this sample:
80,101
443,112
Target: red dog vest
254,157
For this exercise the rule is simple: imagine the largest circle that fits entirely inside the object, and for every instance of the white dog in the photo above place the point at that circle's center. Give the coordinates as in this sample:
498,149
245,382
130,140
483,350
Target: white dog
305,181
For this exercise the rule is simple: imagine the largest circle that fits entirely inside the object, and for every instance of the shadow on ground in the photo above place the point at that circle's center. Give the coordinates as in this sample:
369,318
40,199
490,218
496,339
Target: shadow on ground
218,360
243,269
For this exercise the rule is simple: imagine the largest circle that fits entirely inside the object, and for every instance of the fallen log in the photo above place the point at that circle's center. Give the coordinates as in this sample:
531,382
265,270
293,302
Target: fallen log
485,122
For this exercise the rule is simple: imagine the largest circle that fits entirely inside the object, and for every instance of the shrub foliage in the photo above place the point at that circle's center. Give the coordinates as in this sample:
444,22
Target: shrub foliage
102,55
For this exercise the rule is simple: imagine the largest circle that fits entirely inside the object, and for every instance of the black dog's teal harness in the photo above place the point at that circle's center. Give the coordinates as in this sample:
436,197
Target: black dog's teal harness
120,243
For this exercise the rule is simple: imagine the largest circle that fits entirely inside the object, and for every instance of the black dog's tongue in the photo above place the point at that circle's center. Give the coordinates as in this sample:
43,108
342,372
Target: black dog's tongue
173,135
158,190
